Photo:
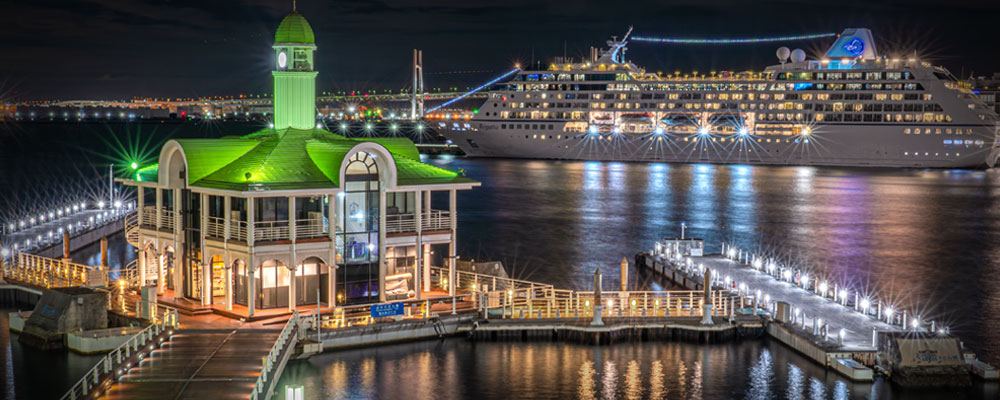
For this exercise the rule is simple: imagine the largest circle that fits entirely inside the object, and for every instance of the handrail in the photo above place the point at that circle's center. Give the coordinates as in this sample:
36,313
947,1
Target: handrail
51,272
271,231
482,282
348,316
311,228
112,362
556,303
287,333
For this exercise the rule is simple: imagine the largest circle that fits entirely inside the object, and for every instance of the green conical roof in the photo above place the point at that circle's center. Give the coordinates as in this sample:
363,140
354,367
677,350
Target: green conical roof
294,29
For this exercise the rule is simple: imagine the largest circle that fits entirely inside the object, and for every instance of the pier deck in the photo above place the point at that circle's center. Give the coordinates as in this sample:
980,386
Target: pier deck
858,327
209,364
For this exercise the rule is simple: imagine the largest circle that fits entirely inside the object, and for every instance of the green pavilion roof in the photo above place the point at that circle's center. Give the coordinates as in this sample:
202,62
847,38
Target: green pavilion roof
294,29
290,159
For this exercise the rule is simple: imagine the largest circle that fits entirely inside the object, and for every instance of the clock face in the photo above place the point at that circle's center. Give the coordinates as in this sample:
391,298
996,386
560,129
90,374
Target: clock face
282,59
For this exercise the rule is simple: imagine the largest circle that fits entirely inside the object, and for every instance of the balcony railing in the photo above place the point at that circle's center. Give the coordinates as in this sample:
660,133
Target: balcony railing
311,228
270,231
433,220
168,219
148,216
216,227
238,230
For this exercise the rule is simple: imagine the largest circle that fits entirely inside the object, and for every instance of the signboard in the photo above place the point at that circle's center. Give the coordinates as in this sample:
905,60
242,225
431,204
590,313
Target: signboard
925,351
386,309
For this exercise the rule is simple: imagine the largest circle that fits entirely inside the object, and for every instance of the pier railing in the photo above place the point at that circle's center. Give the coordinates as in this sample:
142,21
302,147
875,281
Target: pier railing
118,361
287,337
556,303
51,272
475,282
348,316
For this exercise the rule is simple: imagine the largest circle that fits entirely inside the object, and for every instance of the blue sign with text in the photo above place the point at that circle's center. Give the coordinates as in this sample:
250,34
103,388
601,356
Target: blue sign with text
387,310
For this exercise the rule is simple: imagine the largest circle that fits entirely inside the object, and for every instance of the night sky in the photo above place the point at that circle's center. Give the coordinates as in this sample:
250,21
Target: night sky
103,49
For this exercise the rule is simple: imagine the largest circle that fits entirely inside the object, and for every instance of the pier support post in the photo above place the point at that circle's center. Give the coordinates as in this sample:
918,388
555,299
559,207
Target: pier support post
706,309
598,307
624,274
104,252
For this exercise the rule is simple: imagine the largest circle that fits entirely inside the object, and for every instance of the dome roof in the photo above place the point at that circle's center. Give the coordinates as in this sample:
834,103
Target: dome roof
294,29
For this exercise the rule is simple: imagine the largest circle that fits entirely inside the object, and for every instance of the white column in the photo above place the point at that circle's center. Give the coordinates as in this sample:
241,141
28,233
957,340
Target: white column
227,219
292,257
142,263
291,221
381,244
453,201
421,272
178,245
161,286
140,200
206,273
291,288
159,207
251,295
251,262
228,271
331,264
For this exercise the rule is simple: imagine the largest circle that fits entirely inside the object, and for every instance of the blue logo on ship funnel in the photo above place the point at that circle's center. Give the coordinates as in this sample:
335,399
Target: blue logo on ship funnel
855,46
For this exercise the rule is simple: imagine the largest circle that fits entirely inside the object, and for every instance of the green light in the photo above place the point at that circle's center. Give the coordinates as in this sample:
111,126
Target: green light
134,165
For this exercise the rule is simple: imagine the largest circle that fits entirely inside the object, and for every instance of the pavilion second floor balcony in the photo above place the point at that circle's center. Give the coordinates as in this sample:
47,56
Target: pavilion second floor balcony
431,220
279,231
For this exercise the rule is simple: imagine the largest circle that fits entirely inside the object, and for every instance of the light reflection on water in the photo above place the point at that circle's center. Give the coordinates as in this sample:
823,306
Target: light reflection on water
928,239
458,369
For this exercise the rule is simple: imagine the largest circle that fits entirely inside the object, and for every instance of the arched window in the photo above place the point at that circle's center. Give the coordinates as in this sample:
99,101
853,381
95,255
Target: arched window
357,227
362,167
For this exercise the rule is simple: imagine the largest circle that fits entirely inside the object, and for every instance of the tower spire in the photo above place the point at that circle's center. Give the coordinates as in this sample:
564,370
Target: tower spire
293,6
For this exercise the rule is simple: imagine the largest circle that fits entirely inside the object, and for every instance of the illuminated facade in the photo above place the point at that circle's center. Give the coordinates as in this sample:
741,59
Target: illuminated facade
294,215
851,107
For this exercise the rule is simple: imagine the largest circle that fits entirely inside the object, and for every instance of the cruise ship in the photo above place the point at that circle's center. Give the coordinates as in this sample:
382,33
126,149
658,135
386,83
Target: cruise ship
851,107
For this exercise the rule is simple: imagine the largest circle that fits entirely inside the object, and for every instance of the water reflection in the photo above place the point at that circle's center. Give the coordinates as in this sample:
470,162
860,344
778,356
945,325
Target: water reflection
931,238
458,369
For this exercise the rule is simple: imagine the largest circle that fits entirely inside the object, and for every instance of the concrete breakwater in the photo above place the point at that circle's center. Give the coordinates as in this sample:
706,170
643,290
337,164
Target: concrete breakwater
615,330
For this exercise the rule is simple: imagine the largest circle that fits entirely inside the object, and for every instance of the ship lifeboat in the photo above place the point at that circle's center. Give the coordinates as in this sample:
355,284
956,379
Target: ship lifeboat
637,117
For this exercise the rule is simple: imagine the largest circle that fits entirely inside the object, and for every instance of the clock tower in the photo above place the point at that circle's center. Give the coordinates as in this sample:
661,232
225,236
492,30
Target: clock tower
294,74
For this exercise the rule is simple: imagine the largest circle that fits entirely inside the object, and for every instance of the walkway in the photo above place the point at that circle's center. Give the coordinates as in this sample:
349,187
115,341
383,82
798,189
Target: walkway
858,326
199,364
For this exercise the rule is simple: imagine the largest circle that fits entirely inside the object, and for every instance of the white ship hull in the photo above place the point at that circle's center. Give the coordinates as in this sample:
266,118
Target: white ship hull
828,145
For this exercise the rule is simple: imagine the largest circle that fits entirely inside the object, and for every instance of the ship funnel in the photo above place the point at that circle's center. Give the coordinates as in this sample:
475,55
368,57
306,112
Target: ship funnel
854,43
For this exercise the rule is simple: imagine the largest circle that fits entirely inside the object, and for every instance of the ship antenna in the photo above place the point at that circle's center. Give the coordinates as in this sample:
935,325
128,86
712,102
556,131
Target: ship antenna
293,6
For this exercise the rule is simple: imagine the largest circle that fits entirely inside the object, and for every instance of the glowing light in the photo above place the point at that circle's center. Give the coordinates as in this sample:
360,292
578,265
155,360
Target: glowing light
916,322
732,40
100,204
865,303
743,131
889,311
464,95
134,165
823,287
703,131
593,130
659,131
806,131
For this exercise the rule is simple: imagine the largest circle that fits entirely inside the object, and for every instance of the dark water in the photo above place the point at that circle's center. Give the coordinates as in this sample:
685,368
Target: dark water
927,240
459,369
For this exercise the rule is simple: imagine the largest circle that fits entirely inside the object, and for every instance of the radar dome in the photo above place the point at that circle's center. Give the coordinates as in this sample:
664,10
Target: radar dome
783,54
798,55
